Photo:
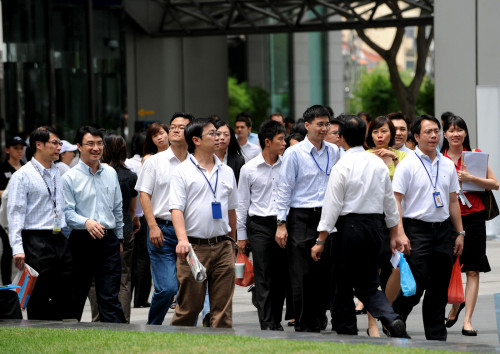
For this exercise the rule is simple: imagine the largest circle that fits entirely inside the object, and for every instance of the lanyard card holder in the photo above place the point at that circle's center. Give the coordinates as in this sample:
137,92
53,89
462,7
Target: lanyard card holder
216,210
437,199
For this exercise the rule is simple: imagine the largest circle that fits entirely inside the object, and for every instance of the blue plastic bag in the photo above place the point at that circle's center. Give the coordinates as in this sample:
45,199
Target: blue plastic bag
408,285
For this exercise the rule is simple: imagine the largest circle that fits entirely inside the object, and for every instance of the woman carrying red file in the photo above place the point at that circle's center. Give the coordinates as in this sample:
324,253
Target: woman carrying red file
473,258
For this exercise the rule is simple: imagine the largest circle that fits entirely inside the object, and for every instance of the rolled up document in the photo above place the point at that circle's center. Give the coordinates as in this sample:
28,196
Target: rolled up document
198,270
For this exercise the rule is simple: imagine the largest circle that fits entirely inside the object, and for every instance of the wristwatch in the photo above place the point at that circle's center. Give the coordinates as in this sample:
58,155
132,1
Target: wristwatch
280,222
461,233
318,242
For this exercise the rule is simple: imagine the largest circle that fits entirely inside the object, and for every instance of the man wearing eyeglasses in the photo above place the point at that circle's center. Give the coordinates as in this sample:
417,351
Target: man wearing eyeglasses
154,186
35,211
303,180
94,211
203,201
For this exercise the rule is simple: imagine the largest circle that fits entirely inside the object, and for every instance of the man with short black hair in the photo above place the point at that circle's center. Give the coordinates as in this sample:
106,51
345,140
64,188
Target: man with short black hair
402,125
154,186
257,192
425,185
303,179
333,136
94,212
203,201
357,200
243,130
36,216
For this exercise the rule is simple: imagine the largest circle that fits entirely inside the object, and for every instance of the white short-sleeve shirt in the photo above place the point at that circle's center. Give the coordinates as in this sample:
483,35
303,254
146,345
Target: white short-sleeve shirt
154,179
412,180
191,194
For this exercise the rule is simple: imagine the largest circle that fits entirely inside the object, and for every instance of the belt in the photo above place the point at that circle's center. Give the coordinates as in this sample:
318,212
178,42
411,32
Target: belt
209,241
315,209
430,225
163,221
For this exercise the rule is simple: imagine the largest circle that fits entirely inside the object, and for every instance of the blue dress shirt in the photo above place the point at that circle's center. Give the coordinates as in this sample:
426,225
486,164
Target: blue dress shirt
93,196
303,179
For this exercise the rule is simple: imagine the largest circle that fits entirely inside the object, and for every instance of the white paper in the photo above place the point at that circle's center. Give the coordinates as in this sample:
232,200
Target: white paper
477,165
395,260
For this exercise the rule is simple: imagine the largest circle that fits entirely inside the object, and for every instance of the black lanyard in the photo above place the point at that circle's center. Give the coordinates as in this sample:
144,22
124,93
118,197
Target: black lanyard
327,162
206,179
437,173
48,189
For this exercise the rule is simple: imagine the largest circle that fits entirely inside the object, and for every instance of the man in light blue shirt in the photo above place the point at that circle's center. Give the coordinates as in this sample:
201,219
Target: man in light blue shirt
94,211
303,180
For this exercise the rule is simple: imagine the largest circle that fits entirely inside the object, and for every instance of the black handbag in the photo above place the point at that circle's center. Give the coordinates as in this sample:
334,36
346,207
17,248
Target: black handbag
490,204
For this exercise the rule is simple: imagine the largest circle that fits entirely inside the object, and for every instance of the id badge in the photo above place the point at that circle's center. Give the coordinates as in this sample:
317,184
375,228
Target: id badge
216,210
437,200
57,225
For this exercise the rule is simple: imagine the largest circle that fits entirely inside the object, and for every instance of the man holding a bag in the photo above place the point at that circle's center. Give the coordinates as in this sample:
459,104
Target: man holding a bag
354,202
257,192
425,186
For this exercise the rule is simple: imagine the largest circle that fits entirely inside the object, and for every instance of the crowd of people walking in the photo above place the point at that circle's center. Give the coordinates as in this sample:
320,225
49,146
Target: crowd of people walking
323,204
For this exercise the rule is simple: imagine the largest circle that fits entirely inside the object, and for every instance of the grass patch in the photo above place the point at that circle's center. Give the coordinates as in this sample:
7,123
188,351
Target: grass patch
28,340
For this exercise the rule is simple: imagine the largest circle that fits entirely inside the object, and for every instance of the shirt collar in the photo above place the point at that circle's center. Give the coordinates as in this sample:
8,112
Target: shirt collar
355,149
41,168
310,147
217,165
419,153
86,168
260,160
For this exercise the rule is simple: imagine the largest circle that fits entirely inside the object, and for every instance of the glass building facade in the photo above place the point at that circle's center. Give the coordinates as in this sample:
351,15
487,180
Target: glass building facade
63,65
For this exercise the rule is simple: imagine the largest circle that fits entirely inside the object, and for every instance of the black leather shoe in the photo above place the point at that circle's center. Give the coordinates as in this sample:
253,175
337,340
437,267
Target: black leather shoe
397,329
469,332
449,323
146,304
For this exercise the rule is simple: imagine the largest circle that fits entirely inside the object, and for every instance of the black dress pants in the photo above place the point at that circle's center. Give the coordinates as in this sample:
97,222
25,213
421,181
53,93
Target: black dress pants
6,258
141,268
50,256
270,270
98,259
431,262
356,248
307,277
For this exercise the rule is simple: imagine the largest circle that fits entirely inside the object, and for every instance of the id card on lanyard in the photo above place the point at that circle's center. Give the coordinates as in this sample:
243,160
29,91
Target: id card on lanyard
57,220
438,200
216,206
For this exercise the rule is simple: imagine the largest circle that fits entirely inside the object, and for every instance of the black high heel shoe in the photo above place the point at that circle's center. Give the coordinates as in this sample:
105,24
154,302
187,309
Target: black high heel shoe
449,323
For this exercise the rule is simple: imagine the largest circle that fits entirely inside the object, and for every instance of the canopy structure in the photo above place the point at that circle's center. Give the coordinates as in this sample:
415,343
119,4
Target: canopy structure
178,18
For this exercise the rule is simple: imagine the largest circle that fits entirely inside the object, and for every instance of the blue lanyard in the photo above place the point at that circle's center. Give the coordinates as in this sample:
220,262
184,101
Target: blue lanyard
206,179
437,173
327,162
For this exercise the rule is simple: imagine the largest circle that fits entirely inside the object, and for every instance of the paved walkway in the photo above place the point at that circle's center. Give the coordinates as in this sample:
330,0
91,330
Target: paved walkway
246,322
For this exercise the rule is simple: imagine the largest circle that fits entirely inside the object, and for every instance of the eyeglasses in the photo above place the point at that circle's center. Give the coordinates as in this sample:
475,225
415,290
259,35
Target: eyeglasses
212,134
333,133
93,143
225,135
177,127
322,125
56,142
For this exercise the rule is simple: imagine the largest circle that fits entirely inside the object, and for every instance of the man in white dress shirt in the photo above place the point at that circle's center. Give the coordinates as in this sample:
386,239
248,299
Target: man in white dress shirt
425,185
402,125
154,186
36,216
203,201
243,130
303,180
357,200
257,192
